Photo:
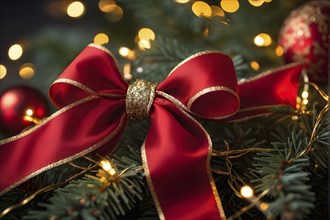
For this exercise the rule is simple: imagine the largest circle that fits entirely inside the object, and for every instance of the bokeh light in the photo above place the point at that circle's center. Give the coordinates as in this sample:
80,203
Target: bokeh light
29,112
262,40
217,11
3,71
247,191
27,71
101,38
182,1
229,5
256,3
279,51
15,52
75,9
116,14
146,34
107,5
124,51
144,44
255,65
201,9
304,94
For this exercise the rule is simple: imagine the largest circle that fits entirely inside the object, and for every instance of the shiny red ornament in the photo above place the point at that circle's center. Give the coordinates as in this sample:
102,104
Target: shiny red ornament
305,36
14,103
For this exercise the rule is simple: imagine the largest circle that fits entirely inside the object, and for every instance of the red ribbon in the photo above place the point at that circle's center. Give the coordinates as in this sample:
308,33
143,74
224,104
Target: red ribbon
176,152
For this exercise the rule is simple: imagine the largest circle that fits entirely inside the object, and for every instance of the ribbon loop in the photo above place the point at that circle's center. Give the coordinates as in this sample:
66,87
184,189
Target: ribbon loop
205,79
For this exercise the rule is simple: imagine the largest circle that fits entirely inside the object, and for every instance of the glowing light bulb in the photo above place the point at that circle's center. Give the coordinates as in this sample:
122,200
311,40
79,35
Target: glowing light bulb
15,52
106,165
75,9
229,5
101,38
304,95
29,112
305,101
247,191
3,71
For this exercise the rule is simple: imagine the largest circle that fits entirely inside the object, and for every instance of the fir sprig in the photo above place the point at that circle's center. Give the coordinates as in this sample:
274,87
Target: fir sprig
286,177
101,196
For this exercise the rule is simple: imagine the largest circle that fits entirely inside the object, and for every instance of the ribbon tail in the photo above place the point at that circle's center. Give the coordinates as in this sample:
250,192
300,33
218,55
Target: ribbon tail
176,156
269,89
72,132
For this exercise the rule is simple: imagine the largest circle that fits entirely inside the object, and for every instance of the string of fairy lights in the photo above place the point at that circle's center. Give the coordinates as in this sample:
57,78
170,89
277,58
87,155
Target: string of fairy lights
114,13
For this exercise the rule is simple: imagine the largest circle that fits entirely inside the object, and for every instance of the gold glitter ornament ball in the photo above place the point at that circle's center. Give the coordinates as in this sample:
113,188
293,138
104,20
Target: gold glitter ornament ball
304,36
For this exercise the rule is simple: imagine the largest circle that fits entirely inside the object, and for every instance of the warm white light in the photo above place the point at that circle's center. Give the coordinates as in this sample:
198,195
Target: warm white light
124,51
256,3
146,34
127,71
304,95
144,44
106,165
75,9
229,5
3,71
201,9
259,41
27,71
101,38
29,112
15,52
305,101
247,191
262,40
107,5
182,1
112,172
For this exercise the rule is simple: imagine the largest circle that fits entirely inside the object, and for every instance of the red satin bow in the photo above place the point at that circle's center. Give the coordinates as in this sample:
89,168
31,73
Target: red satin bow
176,152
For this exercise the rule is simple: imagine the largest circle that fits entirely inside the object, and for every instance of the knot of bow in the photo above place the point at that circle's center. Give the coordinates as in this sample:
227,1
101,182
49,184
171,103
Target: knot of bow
96,102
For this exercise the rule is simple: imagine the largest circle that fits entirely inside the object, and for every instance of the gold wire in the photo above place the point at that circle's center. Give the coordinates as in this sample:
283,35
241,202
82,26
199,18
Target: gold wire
43,190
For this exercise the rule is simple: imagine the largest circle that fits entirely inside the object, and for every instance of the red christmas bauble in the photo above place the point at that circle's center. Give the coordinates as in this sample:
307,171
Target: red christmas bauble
17,102
305,36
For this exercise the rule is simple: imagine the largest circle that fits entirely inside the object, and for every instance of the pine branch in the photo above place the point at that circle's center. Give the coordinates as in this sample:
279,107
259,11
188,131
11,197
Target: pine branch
286,177
108,194
166,53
